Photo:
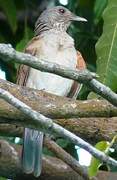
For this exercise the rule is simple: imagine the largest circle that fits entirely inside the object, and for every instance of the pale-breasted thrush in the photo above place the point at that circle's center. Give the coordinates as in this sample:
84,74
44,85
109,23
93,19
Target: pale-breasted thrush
52,43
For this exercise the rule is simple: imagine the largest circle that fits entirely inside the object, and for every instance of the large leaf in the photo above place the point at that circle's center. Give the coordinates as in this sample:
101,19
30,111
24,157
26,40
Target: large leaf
9,8
106,47
98,9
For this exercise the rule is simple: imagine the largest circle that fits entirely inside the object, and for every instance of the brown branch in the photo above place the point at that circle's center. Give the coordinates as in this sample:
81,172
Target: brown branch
90,129
11,130
53,168
67,158
56,107
10,165
53,106
40,122
52,146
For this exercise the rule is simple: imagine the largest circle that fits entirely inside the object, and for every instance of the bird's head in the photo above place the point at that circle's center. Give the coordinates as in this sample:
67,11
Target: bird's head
58,18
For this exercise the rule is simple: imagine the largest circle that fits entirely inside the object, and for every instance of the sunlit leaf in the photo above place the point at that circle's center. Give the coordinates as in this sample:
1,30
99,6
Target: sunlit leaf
9,8
95,163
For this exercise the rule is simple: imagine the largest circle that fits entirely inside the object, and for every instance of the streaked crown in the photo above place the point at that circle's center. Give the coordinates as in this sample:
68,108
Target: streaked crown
58,18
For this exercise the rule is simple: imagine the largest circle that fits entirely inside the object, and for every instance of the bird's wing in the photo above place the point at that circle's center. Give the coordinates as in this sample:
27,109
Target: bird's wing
33,139
76,87
80,61
23,70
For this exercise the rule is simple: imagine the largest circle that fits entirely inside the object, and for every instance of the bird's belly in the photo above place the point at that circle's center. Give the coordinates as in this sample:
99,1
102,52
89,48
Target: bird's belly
50,83
53,83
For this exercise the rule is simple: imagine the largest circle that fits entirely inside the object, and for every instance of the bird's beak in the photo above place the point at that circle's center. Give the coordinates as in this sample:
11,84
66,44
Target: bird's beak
78,18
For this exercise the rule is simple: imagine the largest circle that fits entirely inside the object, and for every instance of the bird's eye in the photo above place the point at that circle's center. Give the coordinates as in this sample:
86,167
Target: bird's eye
62,11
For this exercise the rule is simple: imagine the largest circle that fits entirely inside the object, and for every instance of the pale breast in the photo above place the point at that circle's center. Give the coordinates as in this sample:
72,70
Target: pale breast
58,48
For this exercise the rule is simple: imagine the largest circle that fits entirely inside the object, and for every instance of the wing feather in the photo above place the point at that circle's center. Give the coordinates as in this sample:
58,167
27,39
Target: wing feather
23,70
76,87
33,139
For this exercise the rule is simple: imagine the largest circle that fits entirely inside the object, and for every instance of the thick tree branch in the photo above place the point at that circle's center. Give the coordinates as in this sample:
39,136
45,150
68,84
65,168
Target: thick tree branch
11,130
52,146
7,53
10,165
40,122
91,129
53,106
58,151
53,168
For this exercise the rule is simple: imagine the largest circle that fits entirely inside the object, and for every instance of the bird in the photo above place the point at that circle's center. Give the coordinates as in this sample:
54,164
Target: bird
51,42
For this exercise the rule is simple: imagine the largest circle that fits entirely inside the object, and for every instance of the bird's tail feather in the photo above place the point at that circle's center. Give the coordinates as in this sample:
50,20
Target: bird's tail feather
32,151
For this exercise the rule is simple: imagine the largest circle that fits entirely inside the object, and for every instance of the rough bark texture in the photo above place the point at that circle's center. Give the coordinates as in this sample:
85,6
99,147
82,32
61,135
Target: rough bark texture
36,120
51,145
53,106
67,158
91,129
53,168
59,108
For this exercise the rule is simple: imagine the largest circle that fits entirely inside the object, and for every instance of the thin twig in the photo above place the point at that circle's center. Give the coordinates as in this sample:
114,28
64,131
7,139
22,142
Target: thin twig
9,54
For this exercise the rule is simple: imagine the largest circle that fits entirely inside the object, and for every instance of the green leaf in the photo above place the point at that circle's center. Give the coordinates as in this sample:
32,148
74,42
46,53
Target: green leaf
106,47
9,8
98,9
95,163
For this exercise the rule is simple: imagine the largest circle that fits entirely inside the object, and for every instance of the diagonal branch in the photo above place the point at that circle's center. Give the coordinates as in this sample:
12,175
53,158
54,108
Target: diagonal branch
67,158
40,122
53,168
92,130
92,120
7,53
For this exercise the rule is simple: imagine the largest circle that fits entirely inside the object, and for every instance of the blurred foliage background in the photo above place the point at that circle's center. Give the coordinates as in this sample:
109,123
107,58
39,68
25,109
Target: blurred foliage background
96,39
